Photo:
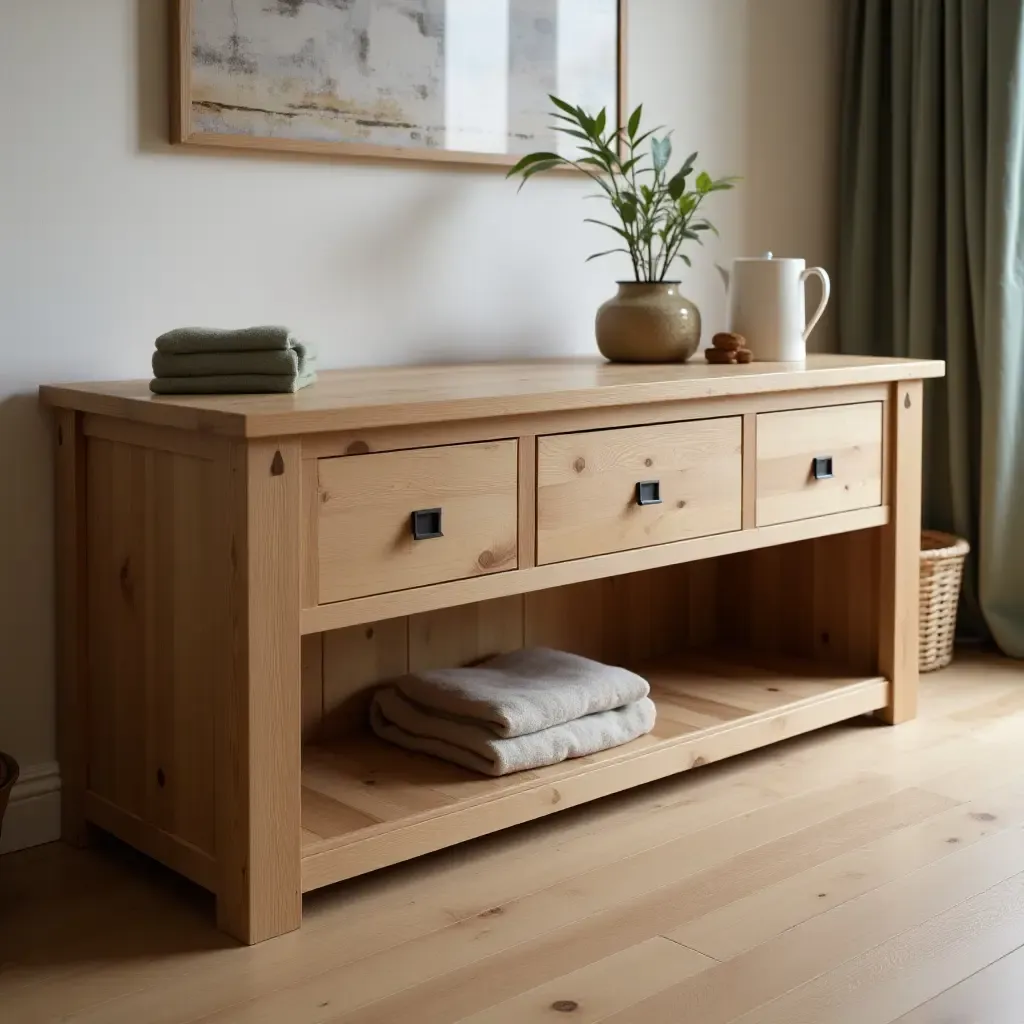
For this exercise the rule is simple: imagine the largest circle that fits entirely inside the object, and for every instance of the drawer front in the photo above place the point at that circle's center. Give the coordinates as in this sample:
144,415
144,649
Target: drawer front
587,487
796,452
366,543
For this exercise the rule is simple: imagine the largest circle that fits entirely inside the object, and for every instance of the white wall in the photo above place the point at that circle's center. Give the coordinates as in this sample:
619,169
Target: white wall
108,236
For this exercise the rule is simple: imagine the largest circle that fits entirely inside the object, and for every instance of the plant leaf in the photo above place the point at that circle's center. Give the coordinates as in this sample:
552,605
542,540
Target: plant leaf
600,121
704,183
677,185
530,159
661,153
573,132
634,121
607,252
562,105
611,227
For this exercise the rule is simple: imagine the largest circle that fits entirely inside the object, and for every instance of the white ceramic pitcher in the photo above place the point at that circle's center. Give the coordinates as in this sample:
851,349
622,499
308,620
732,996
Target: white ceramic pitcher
766,305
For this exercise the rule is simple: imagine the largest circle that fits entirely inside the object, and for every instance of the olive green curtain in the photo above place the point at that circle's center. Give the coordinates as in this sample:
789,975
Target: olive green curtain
932,259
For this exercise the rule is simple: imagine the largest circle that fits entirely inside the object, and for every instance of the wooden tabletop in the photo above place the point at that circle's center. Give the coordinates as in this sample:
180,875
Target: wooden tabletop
396,396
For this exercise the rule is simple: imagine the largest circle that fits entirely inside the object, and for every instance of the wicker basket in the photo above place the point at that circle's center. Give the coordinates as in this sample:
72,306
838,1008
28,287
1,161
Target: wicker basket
942,570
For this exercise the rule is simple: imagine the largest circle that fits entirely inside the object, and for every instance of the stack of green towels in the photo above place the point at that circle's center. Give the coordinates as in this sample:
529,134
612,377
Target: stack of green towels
211,361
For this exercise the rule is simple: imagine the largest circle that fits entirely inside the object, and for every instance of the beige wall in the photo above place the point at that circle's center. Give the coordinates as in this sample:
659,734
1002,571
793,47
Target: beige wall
108,236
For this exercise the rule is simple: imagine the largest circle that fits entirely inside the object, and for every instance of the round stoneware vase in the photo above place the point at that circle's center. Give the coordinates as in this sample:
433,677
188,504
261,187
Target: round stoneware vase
648,323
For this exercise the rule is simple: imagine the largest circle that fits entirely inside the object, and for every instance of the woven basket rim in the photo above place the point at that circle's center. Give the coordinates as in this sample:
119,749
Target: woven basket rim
937,546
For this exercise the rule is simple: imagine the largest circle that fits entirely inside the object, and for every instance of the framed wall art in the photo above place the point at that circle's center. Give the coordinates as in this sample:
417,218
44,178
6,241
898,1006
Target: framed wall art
455,81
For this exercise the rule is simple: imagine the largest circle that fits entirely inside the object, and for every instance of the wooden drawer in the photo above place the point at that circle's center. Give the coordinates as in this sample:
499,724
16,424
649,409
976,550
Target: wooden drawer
366,543
587,500
788,443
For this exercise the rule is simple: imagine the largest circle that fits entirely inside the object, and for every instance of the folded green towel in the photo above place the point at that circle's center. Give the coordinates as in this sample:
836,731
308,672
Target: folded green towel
292,362
215,339
232,384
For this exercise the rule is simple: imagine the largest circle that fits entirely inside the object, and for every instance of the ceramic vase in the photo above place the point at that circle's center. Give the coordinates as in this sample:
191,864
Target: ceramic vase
648,323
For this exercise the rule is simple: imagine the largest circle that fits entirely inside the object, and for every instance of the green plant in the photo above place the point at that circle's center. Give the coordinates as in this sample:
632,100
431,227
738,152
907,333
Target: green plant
657,212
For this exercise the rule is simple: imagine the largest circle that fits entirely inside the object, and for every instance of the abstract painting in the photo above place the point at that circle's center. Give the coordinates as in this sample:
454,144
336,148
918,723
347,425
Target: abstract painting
451,80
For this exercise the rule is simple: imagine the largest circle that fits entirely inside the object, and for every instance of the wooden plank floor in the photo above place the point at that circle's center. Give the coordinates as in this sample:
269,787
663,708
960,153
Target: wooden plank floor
860,874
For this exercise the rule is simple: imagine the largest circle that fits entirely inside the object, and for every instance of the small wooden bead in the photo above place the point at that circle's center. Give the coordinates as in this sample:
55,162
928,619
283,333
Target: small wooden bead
728,342
716,355
744,355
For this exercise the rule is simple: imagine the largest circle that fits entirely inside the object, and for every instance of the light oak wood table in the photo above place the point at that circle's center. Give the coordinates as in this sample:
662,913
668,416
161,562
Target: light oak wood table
235,574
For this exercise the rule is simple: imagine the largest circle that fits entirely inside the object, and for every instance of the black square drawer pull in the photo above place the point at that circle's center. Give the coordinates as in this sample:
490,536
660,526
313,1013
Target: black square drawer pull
426,524
822,467
648,492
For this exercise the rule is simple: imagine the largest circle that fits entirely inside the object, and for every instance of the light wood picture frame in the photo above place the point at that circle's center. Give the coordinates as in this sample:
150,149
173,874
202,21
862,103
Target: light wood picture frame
408,80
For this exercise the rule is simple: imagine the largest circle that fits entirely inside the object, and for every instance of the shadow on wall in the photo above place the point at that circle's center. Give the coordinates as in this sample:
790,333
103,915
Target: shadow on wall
26,579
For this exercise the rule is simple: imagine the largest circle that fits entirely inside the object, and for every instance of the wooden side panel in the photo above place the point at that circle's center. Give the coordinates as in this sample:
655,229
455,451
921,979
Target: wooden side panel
258,696
153,619
72,669
900,559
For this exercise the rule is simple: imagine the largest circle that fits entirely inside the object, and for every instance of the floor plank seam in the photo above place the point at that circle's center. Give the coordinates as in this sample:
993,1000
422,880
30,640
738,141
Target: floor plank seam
692,949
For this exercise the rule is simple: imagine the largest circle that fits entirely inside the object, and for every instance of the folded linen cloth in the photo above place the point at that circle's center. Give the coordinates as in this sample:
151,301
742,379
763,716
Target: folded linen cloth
297,362
524,691
185,340
474,746
232,384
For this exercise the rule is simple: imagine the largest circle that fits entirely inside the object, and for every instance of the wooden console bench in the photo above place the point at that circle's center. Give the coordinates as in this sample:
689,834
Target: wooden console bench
236,573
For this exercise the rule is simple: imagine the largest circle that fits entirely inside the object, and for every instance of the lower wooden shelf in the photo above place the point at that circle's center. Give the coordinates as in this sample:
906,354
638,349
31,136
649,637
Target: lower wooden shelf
366,804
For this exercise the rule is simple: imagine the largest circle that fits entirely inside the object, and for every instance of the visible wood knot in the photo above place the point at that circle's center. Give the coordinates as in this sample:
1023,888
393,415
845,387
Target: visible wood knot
125,577
906,401
277,466
556,797
580,464
682,504
565,1005
357,448
493,912
369,633
698,761
773,689
825,638
161,779
982,816
486,560
648,462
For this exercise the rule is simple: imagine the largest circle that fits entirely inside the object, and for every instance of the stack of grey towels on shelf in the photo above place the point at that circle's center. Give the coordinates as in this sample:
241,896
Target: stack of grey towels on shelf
516,711
212,361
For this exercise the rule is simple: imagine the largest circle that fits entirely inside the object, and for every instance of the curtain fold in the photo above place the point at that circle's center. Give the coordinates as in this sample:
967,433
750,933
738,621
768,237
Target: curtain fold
932,259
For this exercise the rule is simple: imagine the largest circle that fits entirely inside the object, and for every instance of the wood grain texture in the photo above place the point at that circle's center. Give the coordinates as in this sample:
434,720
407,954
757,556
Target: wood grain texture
901,547
586,487
142,435
365,543
749,501
708,710
560,574
545,913
258,705
401,396
355,660
72,600
155,618
527,449
787,444
426,435
468,633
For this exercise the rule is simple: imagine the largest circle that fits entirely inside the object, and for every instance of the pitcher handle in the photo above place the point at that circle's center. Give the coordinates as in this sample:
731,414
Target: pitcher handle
826,291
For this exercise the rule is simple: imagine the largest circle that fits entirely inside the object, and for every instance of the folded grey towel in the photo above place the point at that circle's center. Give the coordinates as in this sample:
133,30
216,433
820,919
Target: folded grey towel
295,362
474,746
232,384
216,339
524,691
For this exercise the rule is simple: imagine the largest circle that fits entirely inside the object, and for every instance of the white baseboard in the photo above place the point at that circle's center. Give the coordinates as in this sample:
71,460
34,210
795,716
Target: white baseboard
33,813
